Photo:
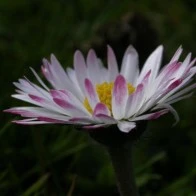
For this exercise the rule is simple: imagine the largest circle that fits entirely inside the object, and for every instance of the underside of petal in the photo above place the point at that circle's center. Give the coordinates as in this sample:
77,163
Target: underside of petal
126,126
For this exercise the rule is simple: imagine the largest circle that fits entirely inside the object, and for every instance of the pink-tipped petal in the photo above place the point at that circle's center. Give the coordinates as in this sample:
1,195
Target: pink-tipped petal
19,111
174,87
46,71
150,116
182,92
69,108
59,78
82,120
32,121
69,98
146,77
174,84
36,112
91,93
64,104
168,72
126,126
51,120
102,118
157,114
119,97
89,127
101,108
37,99
180,72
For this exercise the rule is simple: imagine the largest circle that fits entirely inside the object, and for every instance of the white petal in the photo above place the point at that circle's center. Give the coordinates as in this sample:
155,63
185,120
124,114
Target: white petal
80,69
112,65
130,67
176,55
93,67
179,98
171,109
134,101
126,126
39,79
152,63
182,92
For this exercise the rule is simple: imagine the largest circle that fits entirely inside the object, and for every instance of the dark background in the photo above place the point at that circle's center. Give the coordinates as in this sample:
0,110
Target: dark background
59,160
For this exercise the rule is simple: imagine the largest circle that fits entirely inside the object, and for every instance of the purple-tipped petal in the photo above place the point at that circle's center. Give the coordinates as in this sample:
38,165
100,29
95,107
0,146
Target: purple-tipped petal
119,97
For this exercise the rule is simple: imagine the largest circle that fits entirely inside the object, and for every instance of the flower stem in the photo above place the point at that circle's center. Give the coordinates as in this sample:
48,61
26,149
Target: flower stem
121,158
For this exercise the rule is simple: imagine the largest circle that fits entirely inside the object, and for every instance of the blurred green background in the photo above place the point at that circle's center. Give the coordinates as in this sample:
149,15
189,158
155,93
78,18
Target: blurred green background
59,160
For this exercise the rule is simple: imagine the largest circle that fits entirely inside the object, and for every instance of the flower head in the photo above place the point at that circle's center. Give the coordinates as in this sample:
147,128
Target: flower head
93,96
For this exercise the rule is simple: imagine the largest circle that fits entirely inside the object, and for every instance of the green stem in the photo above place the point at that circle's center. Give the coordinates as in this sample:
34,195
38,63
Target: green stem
121,158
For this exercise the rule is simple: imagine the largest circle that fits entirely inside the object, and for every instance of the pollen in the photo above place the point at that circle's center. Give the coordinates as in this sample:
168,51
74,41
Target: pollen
87,105
104,92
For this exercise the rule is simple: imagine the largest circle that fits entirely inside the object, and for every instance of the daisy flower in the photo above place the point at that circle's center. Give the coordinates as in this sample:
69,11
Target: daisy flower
93,96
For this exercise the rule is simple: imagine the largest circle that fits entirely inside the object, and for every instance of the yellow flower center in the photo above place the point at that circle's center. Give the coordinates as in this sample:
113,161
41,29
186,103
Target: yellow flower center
104,92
